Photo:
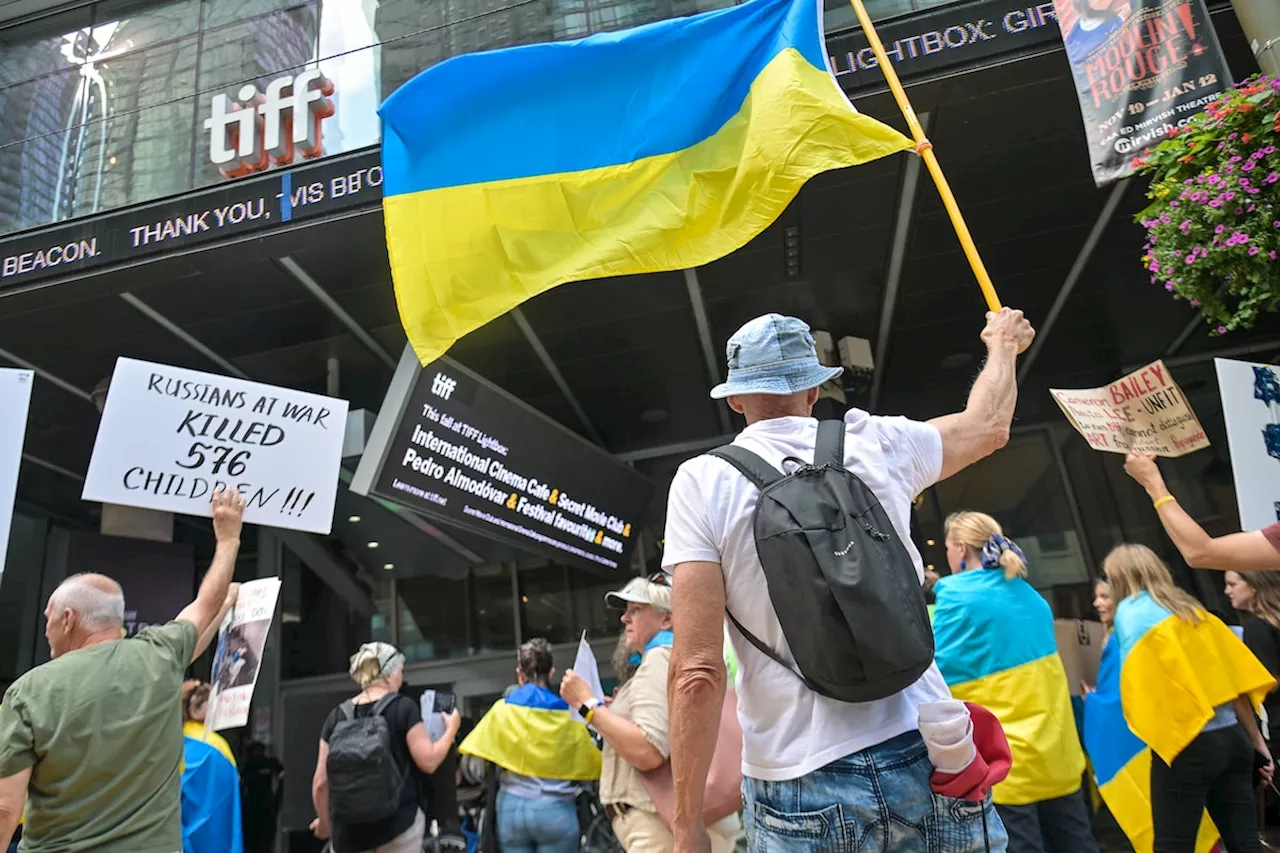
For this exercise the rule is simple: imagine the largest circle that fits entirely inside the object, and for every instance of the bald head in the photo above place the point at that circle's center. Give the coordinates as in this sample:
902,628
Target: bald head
96,600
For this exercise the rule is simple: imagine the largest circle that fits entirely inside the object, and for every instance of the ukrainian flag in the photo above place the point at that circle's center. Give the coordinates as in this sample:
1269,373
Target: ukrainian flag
996,648
1174,673
210,799
1122,763
531,733
658,148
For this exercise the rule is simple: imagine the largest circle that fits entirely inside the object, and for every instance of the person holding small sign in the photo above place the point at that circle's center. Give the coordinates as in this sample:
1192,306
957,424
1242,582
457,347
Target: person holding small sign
1255,551
92,740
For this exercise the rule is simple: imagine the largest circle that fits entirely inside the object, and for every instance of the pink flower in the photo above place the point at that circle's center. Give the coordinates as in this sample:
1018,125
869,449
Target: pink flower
1271,178
1222,330
1253,250
1169,286
1195,303
1191,259
1272,254
1219,229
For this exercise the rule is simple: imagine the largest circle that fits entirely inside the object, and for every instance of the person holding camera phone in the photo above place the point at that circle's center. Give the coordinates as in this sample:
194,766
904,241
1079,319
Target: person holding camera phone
364,792
541,754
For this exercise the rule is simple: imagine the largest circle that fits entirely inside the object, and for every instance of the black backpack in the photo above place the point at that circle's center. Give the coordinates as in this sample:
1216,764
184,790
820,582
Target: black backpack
844,588
364,781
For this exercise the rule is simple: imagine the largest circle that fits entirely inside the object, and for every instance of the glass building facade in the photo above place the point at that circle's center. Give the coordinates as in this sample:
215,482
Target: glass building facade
105,104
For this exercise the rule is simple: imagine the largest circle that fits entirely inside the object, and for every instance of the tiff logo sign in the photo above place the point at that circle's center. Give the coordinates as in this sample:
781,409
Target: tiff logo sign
254,131
443,386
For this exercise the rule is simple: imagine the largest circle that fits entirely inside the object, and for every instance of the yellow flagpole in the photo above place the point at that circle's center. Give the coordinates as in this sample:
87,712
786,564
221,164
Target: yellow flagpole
925,149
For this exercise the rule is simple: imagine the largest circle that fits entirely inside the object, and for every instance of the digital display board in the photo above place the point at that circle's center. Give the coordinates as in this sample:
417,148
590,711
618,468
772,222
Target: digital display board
452,446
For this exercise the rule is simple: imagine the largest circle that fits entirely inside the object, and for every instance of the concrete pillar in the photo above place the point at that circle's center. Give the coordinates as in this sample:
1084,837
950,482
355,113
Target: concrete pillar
1260,20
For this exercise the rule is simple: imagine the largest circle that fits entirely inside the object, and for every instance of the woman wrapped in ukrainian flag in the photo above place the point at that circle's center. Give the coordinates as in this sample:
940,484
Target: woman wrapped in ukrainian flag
1188,690
996,648
541,753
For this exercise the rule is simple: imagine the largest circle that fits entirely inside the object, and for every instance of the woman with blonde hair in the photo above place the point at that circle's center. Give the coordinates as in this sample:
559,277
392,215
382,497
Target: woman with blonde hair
349,764
996,647
1188,688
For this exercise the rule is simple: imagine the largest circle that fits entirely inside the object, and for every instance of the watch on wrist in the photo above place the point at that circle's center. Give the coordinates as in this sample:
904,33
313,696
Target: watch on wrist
586,708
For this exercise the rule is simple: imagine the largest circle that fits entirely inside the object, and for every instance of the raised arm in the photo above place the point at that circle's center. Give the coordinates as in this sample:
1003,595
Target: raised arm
696,686
1237,552
983,427
228,518
427,754
202,645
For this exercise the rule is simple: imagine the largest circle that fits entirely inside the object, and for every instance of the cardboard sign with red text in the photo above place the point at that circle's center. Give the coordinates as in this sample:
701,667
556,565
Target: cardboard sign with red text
1145,411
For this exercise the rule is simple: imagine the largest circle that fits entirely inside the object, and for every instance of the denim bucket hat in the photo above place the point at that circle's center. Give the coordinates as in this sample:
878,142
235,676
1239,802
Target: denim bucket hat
773,354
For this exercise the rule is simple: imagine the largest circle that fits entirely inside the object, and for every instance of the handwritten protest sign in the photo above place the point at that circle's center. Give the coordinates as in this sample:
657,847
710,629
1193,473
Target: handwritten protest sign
170,437
15,399
1251,409
240,643
1144,412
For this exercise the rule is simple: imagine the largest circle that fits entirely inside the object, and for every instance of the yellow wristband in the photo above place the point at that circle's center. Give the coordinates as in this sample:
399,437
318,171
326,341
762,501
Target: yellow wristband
591,713
1167,499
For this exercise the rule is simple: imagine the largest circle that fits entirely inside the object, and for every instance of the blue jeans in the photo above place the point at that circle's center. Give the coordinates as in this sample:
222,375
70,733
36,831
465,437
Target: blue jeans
545,825
874,801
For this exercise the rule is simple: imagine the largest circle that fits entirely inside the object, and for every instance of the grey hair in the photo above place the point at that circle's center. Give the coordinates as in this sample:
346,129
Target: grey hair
97,608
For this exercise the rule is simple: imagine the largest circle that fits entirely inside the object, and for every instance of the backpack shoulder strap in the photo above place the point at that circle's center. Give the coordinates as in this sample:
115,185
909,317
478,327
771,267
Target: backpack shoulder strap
382,704
348,710
830,446
770,653
751,466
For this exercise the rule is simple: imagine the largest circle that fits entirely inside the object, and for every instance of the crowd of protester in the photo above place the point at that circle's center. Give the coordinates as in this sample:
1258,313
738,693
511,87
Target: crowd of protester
736,722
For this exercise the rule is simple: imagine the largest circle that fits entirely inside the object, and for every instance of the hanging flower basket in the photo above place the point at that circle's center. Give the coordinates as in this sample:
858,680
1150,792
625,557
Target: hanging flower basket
1213,225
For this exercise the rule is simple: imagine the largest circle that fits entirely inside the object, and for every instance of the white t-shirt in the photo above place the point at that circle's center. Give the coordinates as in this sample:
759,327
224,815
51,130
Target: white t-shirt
788,730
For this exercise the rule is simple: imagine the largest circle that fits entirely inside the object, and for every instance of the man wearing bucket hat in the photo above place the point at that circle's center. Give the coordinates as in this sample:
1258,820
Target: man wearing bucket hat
819,772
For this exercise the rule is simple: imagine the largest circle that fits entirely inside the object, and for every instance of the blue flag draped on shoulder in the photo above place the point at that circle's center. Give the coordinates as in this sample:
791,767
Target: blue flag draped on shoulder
210,800
1122,763
531,733
662,147
996,648
1175,672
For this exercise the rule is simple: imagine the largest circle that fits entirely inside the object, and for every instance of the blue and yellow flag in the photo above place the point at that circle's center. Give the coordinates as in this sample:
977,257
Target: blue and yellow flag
996,648
531,733
656,148
1174,673
210,800
1122,763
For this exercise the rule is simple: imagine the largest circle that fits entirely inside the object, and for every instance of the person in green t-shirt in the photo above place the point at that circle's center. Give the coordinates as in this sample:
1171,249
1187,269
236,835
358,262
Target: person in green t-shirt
92,740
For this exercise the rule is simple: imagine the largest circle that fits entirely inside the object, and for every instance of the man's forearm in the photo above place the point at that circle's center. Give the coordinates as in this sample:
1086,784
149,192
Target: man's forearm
217,579
994,394
696,687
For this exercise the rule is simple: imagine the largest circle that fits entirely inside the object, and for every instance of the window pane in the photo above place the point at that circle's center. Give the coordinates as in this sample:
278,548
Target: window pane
546,609
493,607
589,610
135,24
43,46
1021,489
218,13
433,618
38,156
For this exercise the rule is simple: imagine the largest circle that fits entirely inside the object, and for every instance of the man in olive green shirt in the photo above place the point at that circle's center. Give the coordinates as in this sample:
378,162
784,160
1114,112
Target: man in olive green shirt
92,740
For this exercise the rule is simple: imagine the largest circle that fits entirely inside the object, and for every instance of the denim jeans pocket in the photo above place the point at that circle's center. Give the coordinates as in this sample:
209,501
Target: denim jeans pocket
960,810
798,832
963,826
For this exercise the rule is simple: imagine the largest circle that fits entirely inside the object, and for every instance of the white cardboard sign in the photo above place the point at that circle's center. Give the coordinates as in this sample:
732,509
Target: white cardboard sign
1251,409
15,401
237,662
170,437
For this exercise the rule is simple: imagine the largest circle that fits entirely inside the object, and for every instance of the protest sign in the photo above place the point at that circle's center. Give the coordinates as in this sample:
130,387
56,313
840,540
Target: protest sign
1142,68
1080,643
170,437
15,400
240,643
1251,408
1144,412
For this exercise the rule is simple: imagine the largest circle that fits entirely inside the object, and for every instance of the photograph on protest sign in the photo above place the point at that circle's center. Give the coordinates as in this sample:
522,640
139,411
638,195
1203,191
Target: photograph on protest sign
238,659
1142,68
15,400
1251,408
1145,411
170,437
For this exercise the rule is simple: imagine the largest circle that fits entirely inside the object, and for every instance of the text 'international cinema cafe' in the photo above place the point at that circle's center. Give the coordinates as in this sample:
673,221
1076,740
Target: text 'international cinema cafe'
135,224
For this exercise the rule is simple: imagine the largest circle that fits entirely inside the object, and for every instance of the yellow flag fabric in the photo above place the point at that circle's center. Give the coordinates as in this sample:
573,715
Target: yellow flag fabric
1174,673
531,733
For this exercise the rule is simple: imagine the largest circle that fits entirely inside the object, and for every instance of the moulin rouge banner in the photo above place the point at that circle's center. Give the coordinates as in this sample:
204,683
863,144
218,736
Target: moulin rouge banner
1142,68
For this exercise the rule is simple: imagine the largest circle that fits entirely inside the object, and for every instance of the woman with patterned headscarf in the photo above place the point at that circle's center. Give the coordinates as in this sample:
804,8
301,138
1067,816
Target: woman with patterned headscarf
996,647
340,788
